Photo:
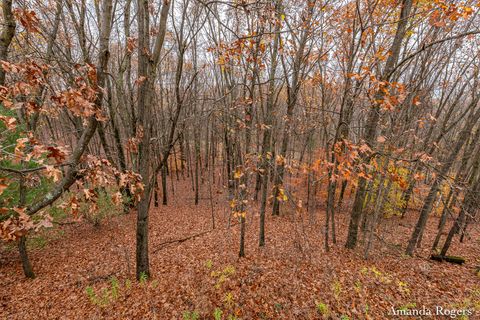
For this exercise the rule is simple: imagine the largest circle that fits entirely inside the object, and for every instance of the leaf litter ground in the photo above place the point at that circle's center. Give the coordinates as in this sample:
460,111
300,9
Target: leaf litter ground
88,272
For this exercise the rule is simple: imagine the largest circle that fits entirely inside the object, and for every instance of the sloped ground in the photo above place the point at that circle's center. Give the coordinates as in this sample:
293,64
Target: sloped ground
291,278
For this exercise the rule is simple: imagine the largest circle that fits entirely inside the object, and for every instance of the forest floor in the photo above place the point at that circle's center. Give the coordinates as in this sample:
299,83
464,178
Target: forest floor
88,272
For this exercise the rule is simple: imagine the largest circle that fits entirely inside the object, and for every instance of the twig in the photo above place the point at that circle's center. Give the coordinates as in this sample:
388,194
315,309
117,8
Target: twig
166,243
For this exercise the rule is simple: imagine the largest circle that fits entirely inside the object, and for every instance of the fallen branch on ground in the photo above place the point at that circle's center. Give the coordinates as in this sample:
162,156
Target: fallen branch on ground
166,243
451,259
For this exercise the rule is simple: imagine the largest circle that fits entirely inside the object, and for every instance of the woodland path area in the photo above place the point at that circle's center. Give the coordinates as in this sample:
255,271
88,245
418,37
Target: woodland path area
287,279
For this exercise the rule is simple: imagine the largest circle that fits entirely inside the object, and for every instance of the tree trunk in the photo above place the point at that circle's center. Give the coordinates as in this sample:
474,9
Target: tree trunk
164,186
197,167
373,119
147,68
342,193
155,192
430,199
267,133
142,263
26,265
22,247
292,97
8,31
468,205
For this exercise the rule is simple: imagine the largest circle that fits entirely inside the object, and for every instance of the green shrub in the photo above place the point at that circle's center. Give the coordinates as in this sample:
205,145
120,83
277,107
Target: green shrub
108,294
322,309
190,315
217,314
143,278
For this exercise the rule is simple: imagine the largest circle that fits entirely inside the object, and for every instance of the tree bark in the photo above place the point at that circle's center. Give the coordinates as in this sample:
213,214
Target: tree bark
468,205
22,247
147,69
267,133
430,199
374,117
8,31
292,97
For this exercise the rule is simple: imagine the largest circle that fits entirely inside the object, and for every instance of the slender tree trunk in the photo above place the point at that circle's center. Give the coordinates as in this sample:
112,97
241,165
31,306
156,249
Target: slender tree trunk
267,134
376,213
373,119
147,68
460,221
330,208
26,265
292,97
211,179
197,166
430,199
468,205
8,31
164,186
22,247
176,164
342,193
155,192
142,262
441,226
